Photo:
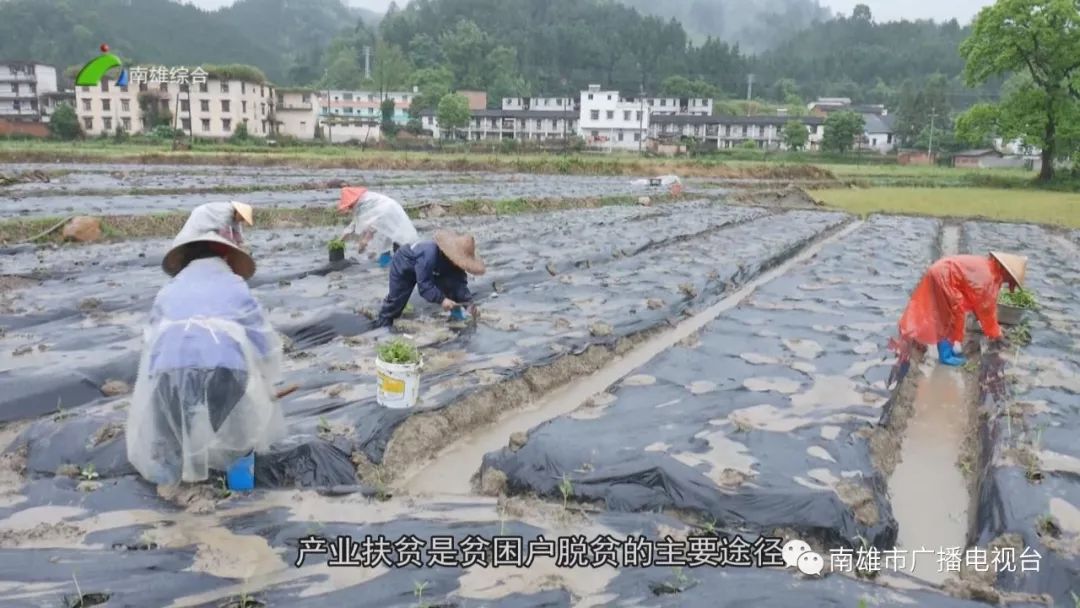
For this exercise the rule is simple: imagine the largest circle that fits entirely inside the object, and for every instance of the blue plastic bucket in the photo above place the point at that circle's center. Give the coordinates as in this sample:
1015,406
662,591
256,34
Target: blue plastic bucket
458,314
384,259
241,475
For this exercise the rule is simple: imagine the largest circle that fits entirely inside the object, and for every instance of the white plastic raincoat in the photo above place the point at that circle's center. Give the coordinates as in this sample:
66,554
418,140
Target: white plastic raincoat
204,393
384,217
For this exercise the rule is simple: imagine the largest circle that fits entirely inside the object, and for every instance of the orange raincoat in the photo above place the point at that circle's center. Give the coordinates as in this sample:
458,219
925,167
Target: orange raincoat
951,288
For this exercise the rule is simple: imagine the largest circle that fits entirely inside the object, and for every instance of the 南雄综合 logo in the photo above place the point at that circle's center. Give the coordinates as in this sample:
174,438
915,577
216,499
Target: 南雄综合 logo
92,73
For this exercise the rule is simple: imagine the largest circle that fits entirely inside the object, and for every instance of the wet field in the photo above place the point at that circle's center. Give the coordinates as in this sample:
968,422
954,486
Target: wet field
690,373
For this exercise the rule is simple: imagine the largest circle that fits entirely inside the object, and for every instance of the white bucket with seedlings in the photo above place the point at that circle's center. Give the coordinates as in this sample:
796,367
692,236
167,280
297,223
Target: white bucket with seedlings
397,367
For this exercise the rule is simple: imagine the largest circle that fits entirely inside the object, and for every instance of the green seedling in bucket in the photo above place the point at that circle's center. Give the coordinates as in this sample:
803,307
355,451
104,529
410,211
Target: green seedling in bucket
399,352
1021,298
336,245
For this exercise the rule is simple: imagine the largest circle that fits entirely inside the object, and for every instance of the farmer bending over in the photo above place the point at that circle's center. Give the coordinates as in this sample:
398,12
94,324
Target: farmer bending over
203,397
376,215
438,268
951,288
225,219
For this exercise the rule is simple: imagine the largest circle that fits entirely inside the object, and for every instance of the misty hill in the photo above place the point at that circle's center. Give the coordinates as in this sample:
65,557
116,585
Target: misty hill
756,25
274,35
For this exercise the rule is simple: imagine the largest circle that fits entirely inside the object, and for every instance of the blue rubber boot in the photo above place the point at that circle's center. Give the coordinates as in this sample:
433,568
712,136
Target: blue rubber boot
385,259
947,356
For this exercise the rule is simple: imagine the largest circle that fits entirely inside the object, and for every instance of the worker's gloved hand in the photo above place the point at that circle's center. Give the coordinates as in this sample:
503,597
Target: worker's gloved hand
947,356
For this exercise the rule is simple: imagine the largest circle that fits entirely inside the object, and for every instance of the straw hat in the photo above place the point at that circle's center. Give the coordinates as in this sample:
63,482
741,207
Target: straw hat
196,230
1014,265
461,249
349,197
245,212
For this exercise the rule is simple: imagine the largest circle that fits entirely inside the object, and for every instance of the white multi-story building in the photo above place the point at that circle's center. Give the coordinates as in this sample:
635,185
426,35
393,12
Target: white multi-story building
521,125
22,83
728,132
539,104
211,109
365,105
297,113
607,120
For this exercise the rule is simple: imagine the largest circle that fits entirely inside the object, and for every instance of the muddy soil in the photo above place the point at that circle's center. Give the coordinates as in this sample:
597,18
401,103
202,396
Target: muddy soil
74,192
1031,482
762,422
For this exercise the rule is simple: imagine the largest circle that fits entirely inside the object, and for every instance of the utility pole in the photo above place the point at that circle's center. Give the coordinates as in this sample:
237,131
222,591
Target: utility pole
641,119
749,91
933,115
367,63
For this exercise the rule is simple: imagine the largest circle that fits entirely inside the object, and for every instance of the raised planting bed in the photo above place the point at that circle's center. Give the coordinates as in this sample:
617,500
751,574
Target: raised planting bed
1029,500
763,421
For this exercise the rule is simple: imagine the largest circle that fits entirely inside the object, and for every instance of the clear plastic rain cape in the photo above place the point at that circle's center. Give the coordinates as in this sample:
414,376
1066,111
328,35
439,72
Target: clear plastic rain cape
387,219
180,423
216,217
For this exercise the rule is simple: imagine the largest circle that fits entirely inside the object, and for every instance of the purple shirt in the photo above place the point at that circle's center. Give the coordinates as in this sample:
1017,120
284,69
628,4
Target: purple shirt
206,288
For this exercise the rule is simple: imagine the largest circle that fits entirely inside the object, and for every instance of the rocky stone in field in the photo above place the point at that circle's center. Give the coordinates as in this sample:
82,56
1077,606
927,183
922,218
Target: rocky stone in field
83,229
517,441
601,329
655,304
644,201
113,388
492,482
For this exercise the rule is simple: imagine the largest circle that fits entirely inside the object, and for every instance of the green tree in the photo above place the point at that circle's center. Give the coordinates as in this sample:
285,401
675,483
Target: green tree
681,86
842,130
434,84
155,111
453,113
466,48
391,68
64,123
795,135
344,72
388,126
1041,39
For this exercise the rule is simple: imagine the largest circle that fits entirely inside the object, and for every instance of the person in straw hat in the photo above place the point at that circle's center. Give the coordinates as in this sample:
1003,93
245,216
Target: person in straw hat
438,268
202,398
227,219
953,287
378,215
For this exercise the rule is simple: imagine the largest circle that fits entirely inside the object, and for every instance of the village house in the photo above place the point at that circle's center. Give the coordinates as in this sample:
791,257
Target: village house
296,113
540,104
22,86
520,125
366,105
609,121
202,106
727,132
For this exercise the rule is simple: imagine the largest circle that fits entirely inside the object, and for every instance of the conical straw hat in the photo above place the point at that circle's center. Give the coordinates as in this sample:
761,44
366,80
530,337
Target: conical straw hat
461,249
1014,265
200,227
245,212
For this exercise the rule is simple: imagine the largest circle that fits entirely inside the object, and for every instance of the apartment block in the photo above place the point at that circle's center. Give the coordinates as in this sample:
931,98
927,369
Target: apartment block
539,104
521,125
297,113
726,132
365,105
608,120
22,84
213,108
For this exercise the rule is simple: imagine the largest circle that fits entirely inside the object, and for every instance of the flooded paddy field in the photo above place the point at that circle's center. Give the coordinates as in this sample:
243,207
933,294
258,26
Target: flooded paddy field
686,373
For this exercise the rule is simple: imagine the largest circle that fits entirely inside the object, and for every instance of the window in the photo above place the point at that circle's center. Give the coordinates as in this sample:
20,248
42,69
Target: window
185,105
142,87
371,97
204,105
106,105
745,130
611,114
86,89
637,136
225,105
262,109
888,139
243,107
204,88
596,134
104,85
620,135
651,102
226,124
163,87
761,131
347,96
224,87
126,122
626,115
86,104
539,123
243,87
186,124
558,102
609,97
663,102
205,124
125,105
590,96
88,123
639,115
108,123
306,99
594,114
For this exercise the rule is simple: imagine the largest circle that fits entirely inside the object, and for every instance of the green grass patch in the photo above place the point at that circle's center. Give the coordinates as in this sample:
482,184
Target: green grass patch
1031,206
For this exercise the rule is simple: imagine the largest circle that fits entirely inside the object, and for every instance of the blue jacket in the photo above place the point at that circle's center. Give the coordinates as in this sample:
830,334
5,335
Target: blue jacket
206,288
436,276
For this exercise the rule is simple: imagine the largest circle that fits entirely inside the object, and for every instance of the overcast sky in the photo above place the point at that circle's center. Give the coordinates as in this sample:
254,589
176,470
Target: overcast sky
883,10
